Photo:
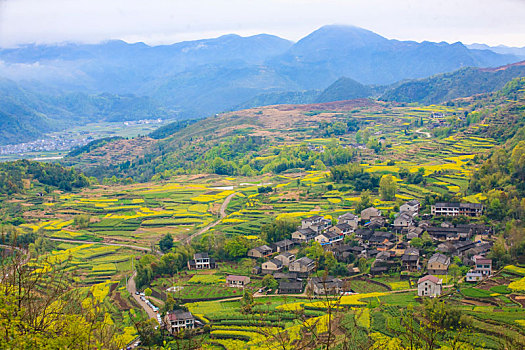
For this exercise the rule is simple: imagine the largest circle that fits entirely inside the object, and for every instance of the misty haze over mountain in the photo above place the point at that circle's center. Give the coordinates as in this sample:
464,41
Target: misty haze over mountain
194,79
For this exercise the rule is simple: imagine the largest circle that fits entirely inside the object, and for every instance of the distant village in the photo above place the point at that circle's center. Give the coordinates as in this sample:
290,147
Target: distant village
65,141
50,143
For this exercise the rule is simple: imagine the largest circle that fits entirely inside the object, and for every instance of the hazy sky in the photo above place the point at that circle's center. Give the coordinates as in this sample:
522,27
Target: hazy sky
166,21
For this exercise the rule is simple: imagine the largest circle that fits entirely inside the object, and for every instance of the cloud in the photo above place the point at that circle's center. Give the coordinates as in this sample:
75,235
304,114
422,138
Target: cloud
167,21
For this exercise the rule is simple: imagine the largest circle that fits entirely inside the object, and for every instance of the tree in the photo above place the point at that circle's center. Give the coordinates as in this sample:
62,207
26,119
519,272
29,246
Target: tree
362,265
235,247
270,282
365,201
319,165
247,302
166,243
81,221
39,309
278,230
416,242
387,188
454,270
499,253
148,292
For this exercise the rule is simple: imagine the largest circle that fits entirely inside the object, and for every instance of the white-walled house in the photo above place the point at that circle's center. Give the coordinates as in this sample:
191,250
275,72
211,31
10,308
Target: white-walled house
429,286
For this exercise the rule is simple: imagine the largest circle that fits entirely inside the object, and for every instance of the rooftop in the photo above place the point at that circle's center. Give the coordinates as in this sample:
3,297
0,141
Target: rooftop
236,278
430,278
440,258
304,261
177,315
201,256
348,216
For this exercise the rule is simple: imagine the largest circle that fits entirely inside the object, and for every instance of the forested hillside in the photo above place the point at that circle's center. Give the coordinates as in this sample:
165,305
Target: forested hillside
231,143
16,177
462,83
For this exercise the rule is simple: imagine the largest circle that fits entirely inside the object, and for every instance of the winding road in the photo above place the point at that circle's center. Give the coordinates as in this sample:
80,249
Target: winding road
132,288
222,211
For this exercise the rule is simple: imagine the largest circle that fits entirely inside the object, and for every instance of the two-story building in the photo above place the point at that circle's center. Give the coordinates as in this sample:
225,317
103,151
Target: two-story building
286,258
316,222
438,264
411,207
456,209
483,265
201,261
178,320
282,246
302,266
349,219
369,213
341,229
429,286
304,235
328,237
326,285
403,220
410,259
292,287
271,266
260,252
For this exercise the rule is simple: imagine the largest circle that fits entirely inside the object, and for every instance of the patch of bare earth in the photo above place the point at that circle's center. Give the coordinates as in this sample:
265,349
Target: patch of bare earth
474,302
118,151
290,195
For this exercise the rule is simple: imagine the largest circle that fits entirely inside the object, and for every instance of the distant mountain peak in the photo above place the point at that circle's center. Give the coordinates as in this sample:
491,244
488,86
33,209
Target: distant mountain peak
343,34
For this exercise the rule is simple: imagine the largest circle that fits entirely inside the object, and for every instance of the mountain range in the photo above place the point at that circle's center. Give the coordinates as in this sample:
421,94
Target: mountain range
48,85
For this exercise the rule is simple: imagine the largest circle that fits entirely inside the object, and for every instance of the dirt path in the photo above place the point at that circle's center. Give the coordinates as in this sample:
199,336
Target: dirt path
222,211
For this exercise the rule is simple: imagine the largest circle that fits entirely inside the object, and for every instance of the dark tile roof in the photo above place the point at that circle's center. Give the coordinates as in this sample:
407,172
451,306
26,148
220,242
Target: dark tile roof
201,256
304,261
284,243
284,275
296,285
440,258
278,263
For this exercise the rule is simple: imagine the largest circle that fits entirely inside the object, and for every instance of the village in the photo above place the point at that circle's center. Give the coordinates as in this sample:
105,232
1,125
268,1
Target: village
412,246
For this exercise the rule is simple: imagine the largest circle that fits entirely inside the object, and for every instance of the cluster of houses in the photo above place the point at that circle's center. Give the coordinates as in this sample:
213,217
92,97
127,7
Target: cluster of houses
375,238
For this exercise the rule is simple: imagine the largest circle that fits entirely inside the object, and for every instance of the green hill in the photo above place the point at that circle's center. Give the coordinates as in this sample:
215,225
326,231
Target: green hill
461,83
344,89
286,138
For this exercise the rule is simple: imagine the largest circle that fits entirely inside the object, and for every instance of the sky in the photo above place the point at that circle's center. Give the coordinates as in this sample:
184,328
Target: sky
154,22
